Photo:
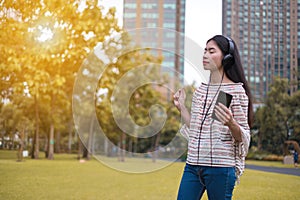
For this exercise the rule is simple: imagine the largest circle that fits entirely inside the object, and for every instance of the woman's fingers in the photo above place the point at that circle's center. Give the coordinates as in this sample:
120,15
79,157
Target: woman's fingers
223,113
177,94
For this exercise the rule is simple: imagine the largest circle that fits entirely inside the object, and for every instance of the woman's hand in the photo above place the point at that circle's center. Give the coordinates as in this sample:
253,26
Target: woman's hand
179,102
179,99
225,117
224,114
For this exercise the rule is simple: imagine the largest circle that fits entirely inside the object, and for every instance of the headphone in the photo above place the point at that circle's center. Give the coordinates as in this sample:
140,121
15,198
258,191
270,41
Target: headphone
228,59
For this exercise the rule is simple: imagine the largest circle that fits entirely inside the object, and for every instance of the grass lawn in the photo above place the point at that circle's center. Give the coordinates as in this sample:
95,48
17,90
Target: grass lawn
270,163
65,178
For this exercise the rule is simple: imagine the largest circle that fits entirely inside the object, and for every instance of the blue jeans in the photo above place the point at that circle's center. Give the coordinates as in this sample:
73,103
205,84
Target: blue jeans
218,181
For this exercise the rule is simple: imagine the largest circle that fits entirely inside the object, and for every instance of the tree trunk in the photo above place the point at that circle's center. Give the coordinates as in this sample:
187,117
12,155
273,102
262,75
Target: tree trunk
85,153
79,147
52,127
51,143
21,147
287,130
154,154
57,142
36,145
87,150
70,141
46,147
2,145
90,139
33,145
122,147
130,147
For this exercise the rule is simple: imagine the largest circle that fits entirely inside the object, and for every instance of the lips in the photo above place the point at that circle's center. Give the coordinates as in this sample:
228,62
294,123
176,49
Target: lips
205,62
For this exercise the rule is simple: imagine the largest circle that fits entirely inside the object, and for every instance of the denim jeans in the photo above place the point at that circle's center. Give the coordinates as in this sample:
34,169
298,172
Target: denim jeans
217,181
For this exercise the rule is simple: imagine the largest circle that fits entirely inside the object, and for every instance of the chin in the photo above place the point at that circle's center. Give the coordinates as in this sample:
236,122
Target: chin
206,68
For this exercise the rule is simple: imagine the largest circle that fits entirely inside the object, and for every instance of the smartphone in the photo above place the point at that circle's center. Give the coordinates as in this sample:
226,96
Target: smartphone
223,98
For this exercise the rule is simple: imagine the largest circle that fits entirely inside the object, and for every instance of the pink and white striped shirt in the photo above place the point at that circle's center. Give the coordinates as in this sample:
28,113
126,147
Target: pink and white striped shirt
211,143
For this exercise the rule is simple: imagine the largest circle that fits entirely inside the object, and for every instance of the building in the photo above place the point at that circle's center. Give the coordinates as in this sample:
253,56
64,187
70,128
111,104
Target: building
169,15
267,35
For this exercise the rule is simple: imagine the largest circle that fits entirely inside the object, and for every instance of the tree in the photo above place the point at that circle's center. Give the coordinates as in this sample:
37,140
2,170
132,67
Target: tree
272,120
294,120
276,116
43,45
140,99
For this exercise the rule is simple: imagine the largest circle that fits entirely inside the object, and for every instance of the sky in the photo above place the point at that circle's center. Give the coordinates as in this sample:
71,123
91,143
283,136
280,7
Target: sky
203,21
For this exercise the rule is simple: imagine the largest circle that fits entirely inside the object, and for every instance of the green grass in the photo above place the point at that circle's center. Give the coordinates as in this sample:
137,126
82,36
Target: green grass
270,163
67,179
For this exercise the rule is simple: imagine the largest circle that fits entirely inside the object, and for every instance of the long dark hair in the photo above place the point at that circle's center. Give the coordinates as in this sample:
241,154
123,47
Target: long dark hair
235,72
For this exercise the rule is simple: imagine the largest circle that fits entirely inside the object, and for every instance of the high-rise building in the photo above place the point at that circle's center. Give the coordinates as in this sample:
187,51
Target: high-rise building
267,35
165,15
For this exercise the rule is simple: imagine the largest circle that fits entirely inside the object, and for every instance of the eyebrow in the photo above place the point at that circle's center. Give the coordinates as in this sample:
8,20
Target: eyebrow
211,48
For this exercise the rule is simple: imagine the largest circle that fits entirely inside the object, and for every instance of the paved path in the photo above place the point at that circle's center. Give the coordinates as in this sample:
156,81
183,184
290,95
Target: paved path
290,171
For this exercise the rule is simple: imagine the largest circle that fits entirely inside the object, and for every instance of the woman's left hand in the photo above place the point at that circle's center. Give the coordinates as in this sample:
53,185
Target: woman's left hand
224,114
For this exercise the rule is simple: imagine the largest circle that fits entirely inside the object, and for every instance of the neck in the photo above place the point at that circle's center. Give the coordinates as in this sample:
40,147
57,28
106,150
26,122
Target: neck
216,77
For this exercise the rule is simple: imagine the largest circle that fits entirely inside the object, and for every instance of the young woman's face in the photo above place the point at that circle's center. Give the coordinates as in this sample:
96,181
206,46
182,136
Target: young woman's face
212,58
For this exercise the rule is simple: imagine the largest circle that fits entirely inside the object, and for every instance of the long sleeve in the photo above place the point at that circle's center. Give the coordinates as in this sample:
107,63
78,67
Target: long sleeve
240,114
185,131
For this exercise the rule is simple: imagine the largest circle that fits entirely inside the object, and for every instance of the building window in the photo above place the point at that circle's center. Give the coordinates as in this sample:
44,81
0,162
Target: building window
130,5
170,35
150,24
130,15
170,6
150,15
169,44
149,5
169,25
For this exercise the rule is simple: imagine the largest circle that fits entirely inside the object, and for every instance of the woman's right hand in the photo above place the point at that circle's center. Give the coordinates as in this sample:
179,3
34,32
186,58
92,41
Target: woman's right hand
179,99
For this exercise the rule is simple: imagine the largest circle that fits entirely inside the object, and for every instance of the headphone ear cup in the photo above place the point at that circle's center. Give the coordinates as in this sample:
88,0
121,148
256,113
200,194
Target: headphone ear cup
227,61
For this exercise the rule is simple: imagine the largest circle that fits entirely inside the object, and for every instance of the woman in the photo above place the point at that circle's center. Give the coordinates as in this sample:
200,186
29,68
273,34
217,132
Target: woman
217,146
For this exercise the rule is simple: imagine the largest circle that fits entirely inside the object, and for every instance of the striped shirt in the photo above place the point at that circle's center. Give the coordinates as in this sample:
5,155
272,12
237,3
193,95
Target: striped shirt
210,142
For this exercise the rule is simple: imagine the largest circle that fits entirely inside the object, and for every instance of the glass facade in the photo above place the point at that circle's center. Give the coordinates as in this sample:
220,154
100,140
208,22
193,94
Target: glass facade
166,14
267,34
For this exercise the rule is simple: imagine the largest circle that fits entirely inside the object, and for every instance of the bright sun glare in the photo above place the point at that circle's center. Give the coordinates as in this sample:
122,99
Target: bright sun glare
46,34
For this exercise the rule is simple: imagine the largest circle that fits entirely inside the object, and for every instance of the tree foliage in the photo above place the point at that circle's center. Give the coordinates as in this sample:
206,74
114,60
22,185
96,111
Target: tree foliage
278,120
43,44
140,101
